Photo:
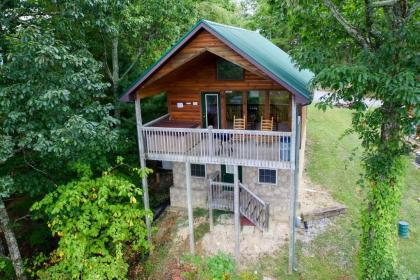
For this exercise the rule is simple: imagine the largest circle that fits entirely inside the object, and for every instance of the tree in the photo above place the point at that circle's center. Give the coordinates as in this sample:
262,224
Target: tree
126,36
50,112
358,50
221,11
270,21
97,221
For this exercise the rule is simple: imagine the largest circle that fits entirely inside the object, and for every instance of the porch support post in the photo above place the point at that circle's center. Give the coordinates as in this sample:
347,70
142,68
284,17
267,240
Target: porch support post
210,201
140,143
236,211
189,204
293,194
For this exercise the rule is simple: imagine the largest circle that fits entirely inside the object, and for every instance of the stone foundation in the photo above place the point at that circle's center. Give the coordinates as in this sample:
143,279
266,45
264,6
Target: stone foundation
277,195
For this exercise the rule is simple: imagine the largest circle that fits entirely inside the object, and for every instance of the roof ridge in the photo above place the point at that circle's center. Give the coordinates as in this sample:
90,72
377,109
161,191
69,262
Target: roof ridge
228,26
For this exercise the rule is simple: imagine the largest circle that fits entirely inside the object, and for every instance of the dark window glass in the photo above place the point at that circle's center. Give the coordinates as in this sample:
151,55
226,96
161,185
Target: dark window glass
198,170
255,108
233,106
228,71
279,108
267,176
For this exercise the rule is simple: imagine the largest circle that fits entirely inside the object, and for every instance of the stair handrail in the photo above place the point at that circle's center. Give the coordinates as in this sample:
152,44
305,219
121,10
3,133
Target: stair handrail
253,194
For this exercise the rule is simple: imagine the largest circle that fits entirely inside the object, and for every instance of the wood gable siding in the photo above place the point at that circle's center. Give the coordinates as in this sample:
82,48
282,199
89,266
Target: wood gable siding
193,70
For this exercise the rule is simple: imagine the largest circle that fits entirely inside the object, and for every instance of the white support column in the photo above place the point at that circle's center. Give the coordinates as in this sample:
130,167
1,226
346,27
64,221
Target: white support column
189,202
296,189
143,165
210,200
236,212
293,137
293,194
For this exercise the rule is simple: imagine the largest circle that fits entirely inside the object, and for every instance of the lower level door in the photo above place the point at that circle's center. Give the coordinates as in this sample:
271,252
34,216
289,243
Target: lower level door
227,173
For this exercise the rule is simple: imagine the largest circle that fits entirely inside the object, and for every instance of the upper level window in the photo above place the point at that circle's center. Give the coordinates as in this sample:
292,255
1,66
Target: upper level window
228,71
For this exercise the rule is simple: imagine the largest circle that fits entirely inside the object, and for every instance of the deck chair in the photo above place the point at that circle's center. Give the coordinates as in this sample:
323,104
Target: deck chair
238,124
267,125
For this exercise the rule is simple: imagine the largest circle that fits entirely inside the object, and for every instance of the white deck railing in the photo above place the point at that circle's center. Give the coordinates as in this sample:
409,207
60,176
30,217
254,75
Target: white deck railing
269,149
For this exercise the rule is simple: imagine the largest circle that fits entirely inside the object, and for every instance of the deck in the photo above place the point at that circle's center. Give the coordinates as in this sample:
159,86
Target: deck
268,149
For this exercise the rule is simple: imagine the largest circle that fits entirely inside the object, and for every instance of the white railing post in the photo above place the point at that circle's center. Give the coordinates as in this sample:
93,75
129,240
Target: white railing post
210,201
236,212
210,134
189,205
293,136
142,156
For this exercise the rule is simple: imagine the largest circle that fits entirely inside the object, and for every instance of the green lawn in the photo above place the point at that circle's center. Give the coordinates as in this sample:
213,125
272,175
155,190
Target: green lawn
334,163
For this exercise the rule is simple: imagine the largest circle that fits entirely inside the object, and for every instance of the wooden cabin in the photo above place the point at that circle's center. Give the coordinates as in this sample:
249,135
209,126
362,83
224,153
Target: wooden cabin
236,117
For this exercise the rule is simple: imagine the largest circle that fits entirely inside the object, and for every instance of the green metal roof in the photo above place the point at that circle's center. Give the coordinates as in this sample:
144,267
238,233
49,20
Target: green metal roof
253,46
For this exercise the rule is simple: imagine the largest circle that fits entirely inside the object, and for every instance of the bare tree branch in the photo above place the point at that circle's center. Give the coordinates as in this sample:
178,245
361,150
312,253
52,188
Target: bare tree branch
139,52
37,169
353,31
22,218
384,3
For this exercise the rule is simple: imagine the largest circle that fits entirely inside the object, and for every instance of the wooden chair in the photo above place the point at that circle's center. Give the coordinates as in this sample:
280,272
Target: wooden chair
238,124
267,125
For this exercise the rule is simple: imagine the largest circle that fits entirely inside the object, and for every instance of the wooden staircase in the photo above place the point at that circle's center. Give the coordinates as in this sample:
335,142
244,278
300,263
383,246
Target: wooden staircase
251,206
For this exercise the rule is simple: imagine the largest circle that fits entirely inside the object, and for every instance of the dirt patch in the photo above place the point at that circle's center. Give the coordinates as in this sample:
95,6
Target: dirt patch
312,196
254,243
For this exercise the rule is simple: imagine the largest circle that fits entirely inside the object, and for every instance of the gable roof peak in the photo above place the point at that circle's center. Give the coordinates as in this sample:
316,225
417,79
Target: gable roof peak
254,47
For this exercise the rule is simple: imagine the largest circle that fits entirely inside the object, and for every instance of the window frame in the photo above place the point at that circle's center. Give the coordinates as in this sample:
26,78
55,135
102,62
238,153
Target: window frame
221,60
267,183
195,176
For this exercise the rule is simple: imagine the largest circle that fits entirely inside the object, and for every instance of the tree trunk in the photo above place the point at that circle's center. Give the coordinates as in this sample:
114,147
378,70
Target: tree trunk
2,250
12,245
115,76
384,173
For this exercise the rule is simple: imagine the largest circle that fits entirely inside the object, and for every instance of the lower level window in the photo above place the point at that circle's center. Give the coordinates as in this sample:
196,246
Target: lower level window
198,170
267,176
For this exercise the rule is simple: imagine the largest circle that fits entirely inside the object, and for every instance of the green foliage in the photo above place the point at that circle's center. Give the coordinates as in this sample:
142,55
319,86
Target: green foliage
6,269
222,11
379,230
50,106
201,230
96,221
219,267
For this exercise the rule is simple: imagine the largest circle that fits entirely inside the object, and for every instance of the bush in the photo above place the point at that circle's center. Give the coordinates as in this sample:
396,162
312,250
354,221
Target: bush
218,267
97,221
6,269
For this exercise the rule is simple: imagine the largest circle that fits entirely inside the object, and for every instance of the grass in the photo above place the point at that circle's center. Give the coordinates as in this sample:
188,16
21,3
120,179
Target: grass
334,162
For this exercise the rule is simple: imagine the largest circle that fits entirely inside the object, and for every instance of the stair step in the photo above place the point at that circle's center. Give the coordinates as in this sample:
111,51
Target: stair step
246,222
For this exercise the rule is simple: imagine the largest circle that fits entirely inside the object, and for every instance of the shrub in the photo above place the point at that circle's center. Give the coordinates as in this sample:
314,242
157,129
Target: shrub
96,221
218,267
